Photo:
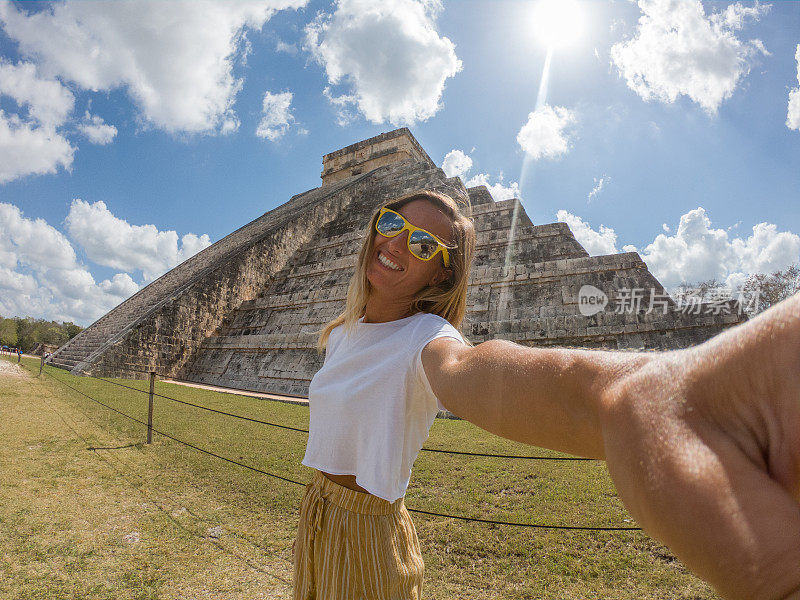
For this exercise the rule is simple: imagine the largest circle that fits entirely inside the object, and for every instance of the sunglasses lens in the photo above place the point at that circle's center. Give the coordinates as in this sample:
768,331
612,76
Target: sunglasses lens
389,224
422,245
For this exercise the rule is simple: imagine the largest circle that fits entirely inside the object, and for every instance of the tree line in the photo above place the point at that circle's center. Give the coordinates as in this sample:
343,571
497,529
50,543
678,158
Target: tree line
760,290
25,333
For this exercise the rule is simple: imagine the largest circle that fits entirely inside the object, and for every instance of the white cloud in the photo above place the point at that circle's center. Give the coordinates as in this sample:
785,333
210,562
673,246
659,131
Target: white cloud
388,54
29,142
12,282
345,103
120,285
678,50
734,15
40,274
191,244
28,149
456,164
277,116
41,277
230,124
498,190
603,241
697,252
96,130
766,249
598,186
33,243
793,111
174,58
545,134
113,242
282,46
48,101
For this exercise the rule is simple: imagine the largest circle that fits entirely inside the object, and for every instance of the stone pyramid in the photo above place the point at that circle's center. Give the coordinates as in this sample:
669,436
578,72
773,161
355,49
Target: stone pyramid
244,312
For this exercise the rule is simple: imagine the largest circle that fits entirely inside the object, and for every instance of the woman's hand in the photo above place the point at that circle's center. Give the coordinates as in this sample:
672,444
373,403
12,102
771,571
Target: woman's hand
703,445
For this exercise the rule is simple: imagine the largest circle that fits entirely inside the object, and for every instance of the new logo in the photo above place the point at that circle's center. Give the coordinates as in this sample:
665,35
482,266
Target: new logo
591,300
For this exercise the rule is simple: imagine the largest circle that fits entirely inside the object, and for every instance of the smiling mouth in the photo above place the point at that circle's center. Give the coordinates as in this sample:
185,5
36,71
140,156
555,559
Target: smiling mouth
388,263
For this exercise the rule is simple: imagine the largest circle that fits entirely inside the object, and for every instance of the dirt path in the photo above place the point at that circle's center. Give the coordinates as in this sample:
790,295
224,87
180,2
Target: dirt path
12,370
227,390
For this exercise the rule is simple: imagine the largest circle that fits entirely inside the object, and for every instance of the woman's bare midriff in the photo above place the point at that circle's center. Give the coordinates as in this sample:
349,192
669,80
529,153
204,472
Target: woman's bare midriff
348,481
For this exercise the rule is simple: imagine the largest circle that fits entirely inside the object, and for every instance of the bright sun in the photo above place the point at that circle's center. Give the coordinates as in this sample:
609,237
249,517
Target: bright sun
557,23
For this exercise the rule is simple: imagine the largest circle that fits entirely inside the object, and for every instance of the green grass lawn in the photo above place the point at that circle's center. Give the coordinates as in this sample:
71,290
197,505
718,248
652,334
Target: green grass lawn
87,510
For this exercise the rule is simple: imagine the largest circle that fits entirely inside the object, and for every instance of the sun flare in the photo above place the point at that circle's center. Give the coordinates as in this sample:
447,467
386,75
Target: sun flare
558,23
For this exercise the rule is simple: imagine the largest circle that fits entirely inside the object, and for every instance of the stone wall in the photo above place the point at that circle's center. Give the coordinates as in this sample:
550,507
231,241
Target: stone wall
362,157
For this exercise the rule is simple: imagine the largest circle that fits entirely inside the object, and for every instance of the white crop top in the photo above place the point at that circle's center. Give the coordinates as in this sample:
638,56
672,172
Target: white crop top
371,404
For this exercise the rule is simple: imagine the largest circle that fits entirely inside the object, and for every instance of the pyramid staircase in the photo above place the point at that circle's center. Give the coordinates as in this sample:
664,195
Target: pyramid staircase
82,350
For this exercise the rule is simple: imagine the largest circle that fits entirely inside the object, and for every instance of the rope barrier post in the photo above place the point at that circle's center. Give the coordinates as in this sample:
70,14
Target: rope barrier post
41,365
150,408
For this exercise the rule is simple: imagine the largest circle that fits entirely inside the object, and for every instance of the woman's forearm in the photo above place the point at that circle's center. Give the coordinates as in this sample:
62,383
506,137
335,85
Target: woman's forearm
546,397
703,444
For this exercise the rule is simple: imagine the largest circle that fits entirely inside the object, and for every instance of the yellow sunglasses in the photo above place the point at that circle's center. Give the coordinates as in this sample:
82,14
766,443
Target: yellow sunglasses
422,244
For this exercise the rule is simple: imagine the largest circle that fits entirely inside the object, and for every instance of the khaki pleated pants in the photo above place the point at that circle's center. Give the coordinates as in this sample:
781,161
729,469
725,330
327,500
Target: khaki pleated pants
354,546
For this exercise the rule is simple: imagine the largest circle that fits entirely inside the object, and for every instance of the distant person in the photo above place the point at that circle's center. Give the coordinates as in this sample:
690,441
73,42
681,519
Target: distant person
703,444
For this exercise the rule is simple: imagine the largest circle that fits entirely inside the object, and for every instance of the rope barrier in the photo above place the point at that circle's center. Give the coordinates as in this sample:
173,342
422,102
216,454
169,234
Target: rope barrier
533,525
567,458
204,451
214,410
424,449
257,470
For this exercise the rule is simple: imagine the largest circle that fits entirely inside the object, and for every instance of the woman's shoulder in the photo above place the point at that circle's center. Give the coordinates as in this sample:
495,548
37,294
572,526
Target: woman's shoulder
334,337
431,318
428,324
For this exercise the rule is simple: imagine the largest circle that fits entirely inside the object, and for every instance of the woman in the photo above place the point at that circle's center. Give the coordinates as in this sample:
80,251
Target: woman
703,444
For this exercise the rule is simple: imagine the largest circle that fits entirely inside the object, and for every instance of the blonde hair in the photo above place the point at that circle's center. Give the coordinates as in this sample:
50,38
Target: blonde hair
447,299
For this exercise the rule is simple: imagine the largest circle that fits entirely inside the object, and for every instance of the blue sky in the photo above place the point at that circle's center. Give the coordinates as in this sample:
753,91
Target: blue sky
133,134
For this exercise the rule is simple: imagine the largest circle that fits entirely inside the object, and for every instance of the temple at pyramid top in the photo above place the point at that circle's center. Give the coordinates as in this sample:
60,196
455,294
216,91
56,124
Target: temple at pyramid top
246,311
367,155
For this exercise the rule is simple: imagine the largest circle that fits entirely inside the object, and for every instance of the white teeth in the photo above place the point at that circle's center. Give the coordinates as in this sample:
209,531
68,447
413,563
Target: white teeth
386,262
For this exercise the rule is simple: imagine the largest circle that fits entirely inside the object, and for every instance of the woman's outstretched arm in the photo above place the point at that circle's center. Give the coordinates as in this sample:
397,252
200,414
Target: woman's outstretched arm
703,444
540,396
